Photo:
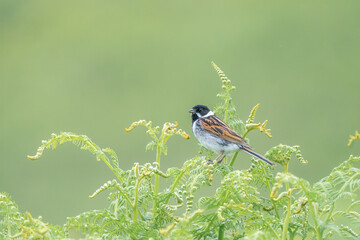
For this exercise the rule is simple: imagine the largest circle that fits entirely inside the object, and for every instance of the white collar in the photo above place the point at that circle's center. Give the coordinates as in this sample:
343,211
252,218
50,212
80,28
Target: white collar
210,113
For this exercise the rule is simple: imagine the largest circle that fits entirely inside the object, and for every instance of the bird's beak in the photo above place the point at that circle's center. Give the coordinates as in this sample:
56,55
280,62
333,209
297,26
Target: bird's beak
192,111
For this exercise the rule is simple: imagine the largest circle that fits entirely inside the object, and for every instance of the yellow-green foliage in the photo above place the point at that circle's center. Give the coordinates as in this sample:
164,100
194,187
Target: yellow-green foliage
253,203
352,138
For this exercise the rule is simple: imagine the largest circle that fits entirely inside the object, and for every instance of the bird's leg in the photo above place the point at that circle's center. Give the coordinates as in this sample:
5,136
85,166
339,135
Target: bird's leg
221,157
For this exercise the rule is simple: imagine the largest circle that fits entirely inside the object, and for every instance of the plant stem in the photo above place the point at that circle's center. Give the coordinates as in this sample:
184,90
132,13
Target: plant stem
208,226
116,207
141,216
8,221
135,208
266,222
227,104
135,200
125,196
340,191
318,234
215,215
288,210
172,189
156,185
107,162
235,154
221,232
134,214
233,159
269,189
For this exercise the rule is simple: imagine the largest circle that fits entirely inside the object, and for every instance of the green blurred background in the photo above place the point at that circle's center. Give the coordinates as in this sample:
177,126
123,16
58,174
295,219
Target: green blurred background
94,67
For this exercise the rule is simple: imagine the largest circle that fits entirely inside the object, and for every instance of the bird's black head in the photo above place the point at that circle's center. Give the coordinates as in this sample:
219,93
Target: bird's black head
198,111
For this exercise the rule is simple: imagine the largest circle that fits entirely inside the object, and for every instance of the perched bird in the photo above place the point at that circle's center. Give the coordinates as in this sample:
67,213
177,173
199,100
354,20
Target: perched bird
217,136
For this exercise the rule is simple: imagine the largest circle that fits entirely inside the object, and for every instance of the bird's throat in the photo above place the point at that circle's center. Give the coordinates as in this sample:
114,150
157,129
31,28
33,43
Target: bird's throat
194,117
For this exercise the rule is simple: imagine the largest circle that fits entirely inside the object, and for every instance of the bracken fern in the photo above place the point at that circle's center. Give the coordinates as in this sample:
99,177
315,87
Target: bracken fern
202,200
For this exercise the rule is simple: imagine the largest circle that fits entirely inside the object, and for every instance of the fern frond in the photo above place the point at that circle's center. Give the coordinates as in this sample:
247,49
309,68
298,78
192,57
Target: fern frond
350,216
10,217
352,138
348,232
353,205
258,235
113,157
140,230
252,114
85,143
81,141
231,205
227,110
237,124
150,146
282,153
32,228
109,185
95,223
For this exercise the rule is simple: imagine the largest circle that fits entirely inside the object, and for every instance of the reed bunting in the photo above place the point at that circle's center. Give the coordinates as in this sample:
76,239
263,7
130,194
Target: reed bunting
217,136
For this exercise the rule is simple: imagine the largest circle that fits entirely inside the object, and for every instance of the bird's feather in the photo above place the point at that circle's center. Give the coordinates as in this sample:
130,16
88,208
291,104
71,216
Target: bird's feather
255,154
217,127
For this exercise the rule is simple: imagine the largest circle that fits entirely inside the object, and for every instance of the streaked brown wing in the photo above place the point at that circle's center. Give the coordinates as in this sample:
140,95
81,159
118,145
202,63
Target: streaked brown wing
216,126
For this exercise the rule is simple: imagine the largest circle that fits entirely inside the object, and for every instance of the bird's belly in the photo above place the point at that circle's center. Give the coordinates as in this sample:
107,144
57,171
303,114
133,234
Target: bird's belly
215,144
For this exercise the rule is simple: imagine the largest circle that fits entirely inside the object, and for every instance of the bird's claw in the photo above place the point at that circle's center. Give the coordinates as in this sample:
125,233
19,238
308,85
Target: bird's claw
209,162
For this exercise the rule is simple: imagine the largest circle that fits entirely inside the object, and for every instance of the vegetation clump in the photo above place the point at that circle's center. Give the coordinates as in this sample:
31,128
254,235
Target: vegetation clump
253,203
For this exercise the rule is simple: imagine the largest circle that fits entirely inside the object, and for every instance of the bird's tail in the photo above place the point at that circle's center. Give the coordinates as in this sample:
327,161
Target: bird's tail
259,156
